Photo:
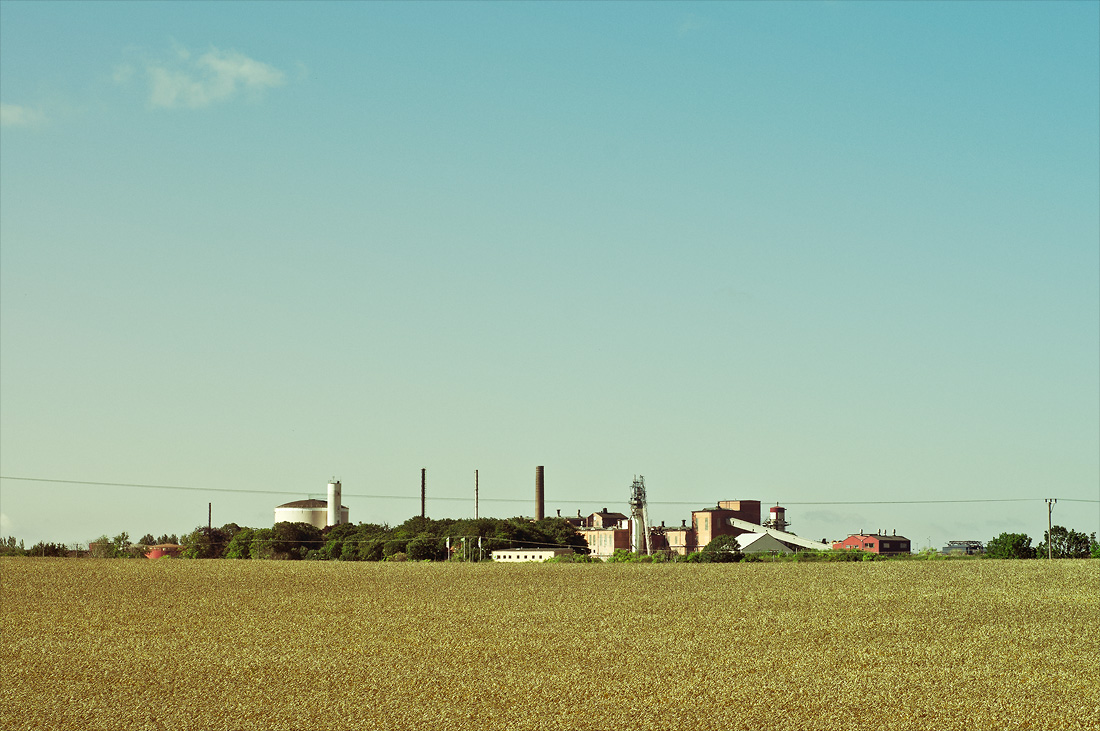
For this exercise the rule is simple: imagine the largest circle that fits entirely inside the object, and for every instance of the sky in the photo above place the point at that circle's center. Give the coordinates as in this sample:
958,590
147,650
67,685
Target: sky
844,257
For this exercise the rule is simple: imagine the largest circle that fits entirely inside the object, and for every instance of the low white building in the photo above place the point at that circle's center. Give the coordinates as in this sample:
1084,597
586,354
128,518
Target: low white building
518,555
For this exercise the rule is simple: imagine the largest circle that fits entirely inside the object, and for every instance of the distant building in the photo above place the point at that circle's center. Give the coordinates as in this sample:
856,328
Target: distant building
886,545
314,512
711,523
761,543
521,555
603,542
162,550
968,548
678,540
605,519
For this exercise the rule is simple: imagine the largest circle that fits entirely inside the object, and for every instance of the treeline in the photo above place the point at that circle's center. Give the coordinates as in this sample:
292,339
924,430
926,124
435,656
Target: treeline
417,539
1063,543
424,539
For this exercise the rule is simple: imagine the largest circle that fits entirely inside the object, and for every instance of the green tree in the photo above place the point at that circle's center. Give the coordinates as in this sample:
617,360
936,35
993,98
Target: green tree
722,549
205,542
102,547
335,537
240,545
9,547
425,547
393,547
262,543
1010,545
294,540
1065,543
372,549
147,540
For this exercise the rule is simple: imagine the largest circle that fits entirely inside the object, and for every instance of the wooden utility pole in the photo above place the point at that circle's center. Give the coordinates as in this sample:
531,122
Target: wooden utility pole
1050,507
475,495
209,514
423,479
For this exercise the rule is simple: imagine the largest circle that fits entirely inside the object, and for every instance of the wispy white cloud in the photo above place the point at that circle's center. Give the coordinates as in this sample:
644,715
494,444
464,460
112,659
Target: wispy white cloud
191,82
14,115
5,525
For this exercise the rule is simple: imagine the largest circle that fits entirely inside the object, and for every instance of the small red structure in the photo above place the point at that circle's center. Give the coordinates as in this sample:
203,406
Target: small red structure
891,545
171,550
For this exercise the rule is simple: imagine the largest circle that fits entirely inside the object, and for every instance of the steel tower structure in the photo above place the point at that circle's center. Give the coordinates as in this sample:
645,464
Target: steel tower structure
639,516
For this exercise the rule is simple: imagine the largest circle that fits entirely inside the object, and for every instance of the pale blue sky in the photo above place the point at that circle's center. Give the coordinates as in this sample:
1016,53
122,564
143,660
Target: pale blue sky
794,252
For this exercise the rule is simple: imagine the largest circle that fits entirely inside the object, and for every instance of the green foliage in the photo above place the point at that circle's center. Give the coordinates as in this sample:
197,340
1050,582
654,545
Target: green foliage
372,550
1066,543
262,542
1010,545
147,540
292,541
393,547
49,550
336,537
9,547
722,549
425,547
240,546
104,547
206,542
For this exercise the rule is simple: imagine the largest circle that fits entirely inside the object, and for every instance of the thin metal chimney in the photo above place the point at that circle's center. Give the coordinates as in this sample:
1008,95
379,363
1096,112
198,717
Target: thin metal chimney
540,495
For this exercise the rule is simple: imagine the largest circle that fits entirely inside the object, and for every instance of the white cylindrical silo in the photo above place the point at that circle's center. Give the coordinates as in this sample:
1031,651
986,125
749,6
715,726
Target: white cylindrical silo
334,503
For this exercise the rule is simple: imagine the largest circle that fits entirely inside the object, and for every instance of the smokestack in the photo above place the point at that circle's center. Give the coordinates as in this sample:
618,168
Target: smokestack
334,502
423,480
540,495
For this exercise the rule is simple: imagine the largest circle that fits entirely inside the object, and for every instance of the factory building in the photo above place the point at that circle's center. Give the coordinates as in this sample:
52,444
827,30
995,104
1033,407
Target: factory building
319,513
886,545
761,543
711,523
607,532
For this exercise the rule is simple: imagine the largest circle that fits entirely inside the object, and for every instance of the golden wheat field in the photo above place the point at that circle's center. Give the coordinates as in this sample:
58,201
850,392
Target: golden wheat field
112,644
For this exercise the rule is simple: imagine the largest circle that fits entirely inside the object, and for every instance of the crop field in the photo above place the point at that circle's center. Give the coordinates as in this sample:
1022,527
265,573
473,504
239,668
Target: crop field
169,644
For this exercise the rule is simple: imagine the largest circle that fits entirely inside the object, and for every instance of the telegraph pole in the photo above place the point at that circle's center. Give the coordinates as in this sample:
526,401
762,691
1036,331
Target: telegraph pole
1050,507
475,495
423,472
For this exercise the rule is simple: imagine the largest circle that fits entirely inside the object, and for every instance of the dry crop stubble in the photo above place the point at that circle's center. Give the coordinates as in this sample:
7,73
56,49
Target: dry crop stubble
102,644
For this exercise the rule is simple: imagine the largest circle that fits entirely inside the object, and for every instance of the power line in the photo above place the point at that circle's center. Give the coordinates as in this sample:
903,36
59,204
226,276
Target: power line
585,501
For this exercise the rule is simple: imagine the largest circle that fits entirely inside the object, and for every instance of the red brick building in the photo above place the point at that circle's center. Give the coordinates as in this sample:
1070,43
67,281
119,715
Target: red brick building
874,543
713,522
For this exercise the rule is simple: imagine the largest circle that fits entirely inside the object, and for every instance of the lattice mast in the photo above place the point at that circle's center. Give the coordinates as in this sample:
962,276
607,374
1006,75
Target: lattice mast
639,517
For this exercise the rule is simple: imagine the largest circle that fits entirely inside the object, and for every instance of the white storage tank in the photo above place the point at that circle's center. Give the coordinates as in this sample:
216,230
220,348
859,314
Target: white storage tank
314,512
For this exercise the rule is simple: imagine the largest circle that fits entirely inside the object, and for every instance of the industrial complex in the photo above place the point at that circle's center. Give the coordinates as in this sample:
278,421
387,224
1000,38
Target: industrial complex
606,531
